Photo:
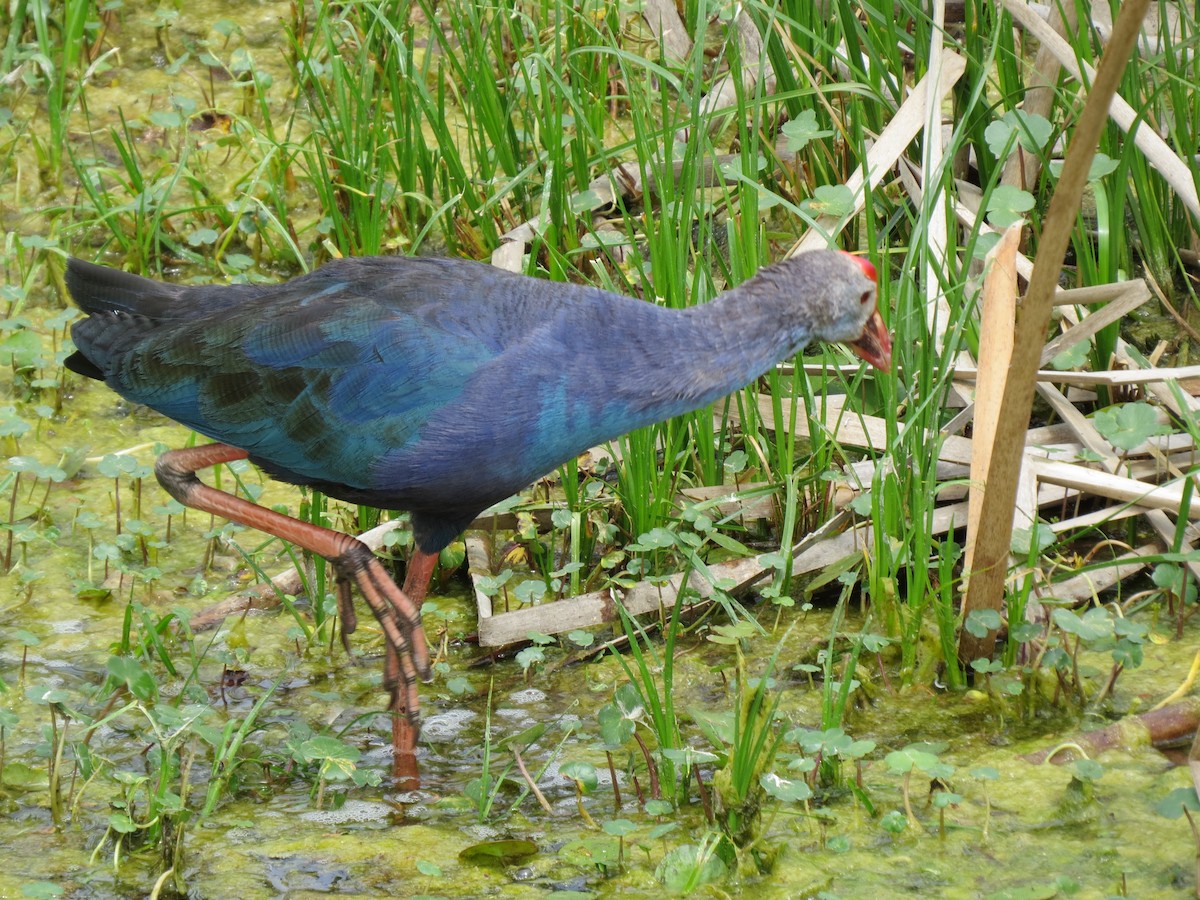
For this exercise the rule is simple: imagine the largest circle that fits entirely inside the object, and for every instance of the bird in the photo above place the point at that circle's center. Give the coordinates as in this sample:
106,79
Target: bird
439,386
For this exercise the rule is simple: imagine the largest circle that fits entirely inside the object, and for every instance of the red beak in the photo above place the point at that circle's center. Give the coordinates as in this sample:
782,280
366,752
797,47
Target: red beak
875,345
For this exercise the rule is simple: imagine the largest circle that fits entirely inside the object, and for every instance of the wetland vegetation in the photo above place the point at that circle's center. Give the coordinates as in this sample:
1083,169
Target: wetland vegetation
817,735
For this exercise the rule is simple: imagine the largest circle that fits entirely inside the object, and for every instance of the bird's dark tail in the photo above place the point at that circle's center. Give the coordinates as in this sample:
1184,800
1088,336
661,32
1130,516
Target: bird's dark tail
99,289
119,305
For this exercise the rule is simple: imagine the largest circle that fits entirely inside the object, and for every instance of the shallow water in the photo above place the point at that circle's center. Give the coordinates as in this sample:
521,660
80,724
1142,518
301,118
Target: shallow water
271,840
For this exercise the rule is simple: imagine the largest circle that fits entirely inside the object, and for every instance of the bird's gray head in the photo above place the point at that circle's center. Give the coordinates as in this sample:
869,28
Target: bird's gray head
838,294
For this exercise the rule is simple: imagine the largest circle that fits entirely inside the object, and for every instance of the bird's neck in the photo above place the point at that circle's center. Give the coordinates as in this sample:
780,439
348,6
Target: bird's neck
714,349
735,338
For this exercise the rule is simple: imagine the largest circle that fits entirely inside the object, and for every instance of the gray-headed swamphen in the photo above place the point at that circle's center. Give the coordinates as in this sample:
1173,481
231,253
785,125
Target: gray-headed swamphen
437,386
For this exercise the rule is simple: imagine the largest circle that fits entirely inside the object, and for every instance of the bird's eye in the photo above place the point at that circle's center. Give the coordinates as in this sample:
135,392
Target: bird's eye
866,298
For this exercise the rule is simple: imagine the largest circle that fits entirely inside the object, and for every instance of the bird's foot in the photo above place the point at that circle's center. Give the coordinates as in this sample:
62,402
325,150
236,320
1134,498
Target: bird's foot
407,660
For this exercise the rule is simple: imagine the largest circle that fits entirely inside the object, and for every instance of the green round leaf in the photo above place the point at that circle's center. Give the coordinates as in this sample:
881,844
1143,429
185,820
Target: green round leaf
497,853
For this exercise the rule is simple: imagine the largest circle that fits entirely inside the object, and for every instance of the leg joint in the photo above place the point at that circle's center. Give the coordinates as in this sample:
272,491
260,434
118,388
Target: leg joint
355,557
175,480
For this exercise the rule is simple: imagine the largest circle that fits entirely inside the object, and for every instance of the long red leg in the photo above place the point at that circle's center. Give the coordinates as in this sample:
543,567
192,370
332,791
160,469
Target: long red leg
399,615
404,733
